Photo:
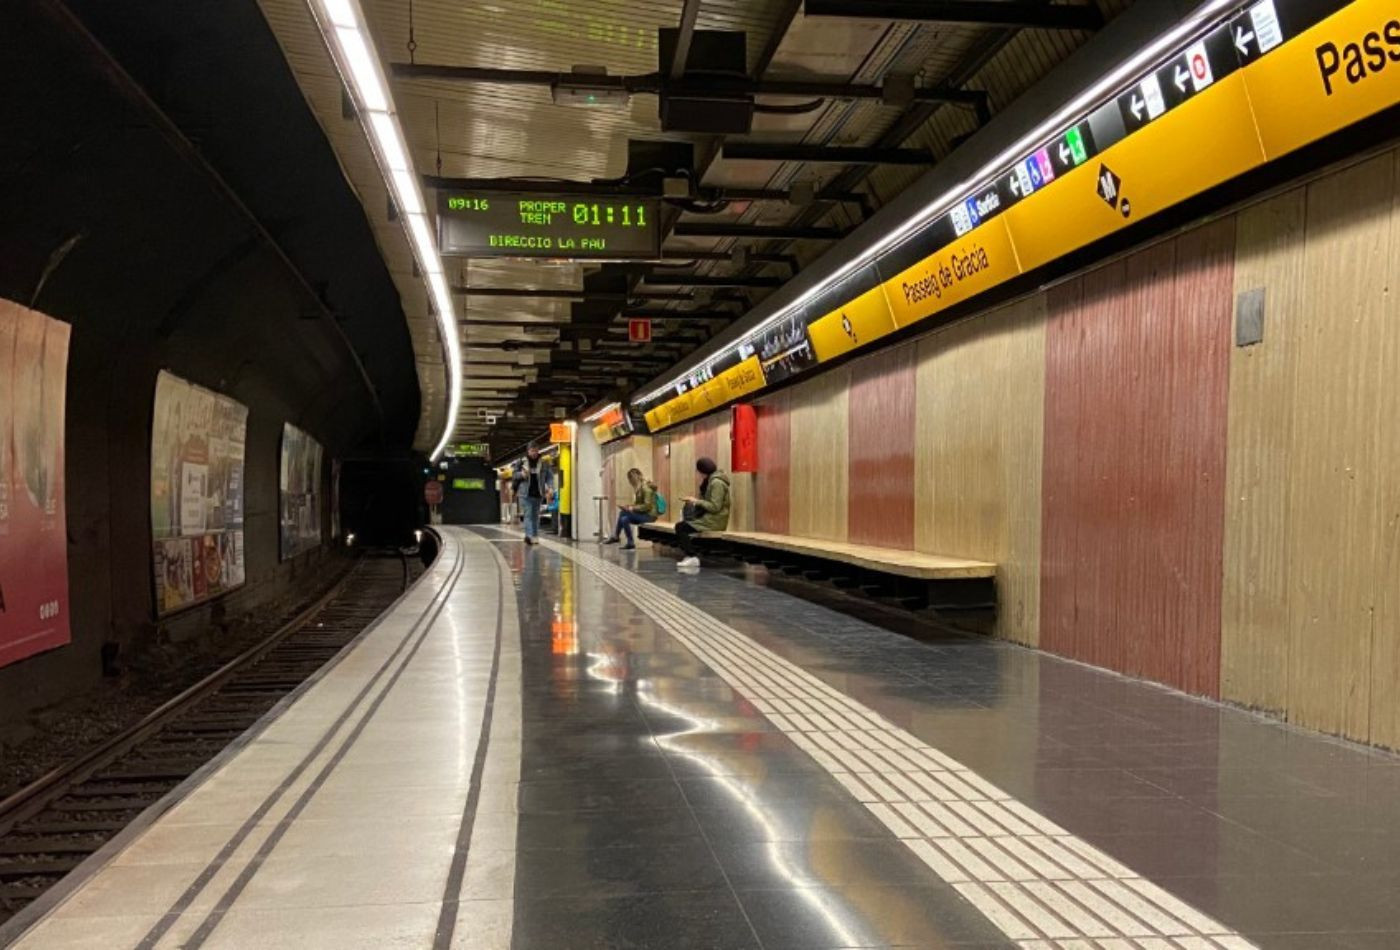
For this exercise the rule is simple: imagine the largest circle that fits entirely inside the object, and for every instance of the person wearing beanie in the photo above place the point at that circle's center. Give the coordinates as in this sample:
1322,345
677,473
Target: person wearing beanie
707,511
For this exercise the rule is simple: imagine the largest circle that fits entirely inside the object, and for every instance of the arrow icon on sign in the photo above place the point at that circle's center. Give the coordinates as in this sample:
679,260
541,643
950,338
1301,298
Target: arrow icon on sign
1243,38
1015,186
1182,77
1065,154
1136,105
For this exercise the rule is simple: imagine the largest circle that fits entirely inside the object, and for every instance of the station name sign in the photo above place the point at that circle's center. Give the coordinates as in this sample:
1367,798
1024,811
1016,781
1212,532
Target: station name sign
499,224
1265,79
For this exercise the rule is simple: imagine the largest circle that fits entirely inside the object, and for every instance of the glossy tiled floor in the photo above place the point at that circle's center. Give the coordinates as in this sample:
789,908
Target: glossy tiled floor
663,797
575,747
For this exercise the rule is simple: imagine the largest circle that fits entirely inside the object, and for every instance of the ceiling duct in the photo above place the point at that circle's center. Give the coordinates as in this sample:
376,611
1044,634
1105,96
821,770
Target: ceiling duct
693,105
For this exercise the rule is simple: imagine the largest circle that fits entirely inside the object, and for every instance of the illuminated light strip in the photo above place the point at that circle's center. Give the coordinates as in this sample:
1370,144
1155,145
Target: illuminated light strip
342,24
1032,879
987,174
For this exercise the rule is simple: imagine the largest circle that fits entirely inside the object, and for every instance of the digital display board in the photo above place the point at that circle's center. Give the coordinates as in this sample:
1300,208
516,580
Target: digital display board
497,224
1266,78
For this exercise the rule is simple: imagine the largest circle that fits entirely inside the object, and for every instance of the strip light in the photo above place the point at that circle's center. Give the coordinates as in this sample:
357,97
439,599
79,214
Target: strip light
343,25
1078,106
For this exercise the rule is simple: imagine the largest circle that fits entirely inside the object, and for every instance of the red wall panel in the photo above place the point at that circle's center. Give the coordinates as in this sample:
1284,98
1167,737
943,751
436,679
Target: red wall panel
880,497
1137,361
771,485
707,438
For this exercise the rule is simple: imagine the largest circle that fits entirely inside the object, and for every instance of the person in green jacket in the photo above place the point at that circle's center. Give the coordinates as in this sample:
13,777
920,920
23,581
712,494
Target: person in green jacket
641,511
709,511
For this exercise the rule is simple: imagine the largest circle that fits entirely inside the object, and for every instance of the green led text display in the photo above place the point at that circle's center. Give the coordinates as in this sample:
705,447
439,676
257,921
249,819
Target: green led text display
557,226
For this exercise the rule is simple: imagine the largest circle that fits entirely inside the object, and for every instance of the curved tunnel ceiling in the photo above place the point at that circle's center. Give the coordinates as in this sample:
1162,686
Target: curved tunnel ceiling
221,79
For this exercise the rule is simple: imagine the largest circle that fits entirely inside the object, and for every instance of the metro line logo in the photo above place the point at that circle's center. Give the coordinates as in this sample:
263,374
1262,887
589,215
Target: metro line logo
1361,60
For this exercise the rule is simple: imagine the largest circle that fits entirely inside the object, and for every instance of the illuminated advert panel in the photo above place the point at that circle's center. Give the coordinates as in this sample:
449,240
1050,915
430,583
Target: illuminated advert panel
497,224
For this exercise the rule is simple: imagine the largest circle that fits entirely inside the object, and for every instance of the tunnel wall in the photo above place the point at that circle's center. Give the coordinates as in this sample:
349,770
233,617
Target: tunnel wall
1224,520
111,228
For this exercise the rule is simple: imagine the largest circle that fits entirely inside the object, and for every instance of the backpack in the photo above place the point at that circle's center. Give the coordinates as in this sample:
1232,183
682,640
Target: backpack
660,503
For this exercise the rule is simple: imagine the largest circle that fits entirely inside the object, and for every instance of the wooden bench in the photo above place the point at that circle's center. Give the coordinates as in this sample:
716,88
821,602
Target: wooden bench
914,578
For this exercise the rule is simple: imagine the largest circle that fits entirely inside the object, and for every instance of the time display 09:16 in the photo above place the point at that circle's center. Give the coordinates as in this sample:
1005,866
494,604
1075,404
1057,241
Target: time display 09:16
543,213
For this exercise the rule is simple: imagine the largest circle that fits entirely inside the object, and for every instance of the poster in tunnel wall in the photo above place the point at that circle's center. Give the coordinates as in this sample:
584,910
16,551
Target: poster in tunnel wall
300,491
33,519
198,448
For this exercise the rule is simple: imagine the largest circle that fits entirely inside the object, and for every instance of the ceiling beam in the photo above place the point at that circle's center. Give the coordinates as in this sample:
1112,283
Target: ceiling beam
759,231
708,280
689,11
611,190
831,154
1012,14
654,84
567,294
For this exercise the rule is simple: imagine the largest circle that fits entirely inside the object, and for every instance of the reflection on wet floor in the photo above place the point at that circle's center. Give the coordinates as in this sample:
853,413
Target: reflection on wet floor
660,808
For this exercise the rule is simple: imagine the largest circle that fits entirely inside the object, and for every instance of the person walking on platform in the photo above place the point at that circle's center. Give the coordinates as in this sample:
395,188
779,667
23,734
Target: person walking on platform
534,484
642,510
707,512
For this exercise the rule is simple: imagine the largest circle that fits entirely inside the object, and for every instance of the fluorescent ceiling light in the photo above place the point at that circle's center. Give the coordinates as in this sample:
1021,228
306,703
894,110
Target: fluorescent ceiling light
343,23
364,69
341,13
929,212
386,134
422,237
406,190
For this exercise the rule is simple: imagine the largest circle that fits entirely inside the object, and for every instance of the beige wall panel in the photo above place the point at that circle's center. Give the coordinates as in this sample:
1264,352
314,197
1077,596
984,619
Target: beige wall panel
977,461
741,501
1255,596
819,467
1334,473
684,482
1385,658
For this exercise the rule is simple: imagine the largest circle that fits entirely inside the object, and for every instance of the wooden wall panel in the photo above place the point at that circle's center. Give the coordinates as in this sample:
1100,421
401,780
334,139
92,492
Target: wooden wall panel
1136,377
1255,596
881,496
684,481
707,439
1385,658
1334,474
819,453
661,470
977,466
772,482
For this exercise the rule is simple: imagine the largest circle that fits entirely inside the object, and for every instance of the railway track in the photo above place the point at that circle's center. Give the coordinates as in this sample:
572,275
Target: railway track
54,824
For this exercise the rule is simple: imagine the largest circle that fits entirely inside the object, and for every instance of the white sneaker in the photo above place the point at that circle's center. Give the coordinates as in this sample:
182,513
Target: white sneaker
688,562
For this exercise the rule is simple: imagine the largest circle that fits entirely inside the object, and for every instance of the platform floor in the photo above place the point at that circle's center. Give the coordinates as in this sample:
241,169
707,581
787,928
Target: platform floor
578,747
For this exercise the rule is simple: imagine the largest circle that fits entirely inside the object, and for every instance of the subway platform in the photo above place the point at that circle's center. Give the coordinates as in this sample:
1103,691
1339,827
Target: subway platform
575,747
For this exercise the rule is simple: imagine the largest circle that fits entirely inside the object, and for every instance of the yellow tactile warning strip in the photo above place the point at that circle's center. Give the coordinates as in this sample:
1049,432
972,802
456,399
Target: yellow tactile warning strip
1040,885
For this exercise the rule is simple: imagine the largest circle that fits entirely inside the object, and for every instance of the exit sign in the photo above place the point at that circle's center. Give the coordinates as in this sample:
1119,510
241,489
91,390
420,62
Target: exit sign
639,330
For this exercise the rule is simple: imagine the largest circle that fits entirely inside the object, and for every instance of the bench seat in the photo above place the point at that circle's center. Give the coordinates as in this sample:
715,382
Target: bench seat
914,564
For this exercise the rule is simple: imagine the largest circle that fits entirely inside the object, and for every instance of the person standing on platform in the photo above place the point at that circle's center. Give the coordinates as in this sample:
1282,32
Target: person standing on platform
641,511
709,511
534,485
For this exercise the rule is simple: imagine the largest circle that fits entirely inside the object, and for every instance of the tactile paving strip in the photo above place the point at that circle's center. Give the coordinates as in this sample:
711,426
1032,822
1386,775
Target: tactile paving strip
1039,884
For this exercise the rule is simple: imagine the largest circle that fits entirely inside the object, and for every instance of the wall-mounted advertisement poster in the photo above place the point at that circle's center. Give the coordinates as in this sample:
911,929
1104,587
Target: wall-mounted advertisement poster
33,523
300,484
198,444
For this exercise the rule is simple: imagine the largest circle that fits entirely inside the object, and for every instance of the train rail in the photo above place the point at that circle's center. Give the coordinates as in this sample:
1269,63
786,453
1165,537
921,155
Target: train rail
52,825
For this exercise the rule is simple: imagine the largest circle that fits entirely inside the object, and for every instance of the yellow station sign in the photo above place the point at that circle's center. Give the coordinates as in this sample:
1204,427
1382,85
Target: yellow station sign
866,318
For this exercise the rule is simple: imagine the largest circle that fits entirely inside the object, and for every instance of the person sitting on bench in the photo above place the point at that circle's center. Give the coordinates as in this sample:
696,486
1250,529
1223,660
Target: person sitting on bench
641,511
707,512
